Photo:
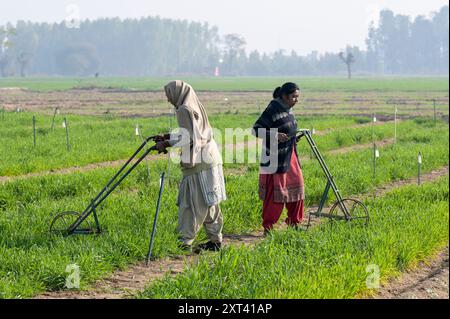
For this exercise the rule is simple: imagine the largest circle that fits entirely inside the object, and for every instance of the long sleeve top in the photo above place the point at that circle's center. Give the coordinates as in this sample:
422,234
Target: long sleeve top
277,117
199,151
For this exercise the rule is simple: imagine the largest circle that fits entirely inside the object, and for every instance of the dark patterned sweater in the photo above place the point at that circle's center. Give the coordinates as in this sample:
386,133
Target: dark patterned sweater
276,116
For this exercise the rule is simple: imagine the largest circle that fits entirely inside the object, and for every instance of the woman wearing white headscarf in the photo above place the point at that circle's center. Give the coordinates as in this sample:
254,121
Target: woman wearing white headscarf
202,187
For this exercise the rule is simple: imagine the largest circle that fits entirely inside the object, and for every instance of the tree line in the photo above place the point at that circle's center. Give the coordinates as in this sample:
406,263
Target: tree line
153,46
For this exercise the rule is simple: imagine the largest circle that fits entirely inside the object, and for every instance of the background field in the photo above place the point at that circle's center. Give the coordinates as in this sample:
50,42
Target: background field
235,83
144,97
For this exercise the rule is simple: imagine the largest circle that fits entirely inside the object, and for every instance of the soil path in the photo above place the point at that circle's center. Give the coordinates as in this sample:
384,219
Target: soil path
429,280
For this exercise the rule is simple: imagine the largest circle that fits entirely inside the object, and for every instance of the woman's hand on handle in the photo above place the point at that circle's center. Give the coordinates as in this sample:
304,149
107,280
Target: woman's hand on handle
161,146
161,137
282,137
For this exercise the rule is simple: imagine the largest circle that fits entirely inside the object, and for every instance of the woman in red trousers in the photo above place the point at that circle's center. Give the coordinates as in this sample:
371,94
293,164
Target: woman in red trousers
281,180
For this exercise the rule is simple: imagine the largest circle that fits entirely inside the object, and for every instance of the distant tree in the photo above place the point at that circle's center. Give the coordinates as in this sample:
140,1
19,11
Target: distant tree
77,60
234,46
24,60
154,46
284,64
441,29
349,59
255,66
26,41
400,45
373,54
425,45
6,43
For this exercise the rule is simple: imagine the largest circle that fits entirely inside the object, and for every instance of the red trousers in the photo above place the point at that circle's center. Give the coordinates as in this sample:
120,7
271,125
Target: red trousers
272,211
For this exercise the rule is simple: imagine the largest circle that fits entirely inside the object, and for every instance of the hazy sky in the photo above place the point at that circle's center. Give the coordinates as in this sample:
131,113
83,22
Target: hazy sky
267,25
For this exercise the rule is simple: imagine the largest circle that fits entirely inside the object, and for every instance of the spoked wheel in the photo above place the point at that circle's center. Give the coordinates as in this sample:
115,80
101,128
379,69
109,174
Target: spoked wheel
62,221
357,211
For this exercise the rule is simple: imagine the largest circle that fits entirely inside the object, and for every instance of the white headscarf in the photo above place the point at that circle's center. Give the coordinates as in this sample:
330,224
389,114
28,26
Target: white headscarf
204,148
182,94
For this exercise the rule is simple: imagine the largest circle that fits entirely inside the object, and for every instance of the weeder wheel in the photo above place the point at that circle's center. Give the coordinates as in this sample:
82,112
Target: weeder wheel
357,210
62,221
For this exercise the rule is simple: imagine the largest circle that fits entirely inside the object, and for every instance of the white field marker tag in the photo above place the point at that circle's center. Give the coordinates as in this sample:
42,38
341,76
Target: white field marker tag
64,125
313,131
377,153
374,119
137,130
419,158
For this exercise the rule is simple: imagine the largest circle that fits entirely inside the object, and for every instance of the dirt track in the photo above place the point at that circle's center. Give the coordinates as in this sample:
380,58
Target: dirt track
427,281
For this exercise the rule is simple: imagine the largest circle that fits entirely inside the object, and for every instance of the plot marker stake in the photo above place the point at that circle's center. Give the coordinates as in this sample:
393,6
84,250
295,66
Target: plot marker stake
67,134
34,130
419,162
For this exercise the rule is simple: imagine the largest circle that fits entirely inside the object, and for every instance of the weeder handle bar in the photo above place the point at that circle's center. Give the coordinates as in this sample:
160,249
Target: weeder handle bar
298,136
106,190
124,166
312,144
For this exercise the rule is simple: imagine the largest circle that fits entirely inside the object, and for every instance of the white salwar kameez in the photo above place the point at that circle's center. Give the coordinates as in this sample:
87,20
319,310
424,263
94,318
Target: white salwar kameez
202,187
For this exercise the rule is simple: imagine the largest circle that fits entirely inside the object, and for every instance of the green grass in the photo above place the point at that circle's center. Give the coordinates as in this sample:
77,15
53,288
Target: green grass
99,139
407,225
236,84
32,261
91,140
